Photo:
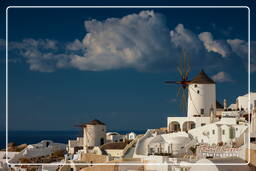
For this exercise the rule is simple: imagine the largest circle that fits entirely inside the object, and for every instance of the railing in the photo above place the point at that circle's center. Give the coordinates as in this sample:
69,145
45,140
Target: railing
128,146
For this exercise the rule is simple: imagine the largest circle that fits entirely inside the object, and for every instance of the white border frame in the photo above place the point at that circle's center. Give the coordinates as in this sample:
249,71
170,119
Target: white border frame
138,7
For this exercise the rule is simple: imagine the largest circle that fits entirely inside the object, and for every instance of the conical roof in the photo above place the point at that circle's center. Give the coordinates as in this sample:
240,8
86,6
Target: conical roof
94,122
202,78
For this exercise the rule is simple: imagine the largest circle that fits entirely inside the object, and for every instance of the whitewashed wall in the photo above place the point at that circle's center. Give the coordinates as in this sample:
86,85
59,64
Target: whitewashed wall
201,96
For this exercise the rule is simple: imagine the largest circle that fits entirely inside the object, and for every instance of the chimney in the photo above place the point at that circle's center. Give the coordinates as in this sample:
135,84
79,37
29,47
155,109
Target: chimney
225,104
237,104
212,115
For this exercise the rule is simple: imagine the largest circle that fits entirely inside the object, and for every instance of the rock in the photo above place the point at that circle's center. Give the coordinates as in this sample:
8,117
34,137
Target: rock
11,144
21,147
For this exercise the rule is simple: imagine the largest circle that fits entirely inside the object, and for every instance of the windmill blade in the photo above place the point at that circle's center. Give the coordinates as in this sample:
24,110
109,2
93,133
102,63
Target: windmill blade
187,72
188,68
180,72
178,94
181,65
172,82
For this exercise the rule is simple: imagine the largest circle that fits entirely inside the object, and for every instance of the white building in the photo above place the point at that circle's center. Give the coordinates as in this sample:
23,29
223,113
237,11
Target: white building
4,157
94,134
115,137
75,145
242,102
114,149
201,105
201,96
131,136
231,129
43,148
172,144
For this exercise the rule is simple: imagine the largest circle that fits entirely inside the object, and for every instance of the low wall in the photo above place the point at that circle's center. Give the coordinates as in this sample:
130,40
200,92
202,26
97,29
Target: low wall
93,158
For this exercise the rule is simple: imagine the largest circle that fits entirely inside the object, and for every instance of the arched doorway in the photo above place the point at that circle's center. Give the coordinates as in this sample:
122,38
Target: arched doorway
174,126
188,125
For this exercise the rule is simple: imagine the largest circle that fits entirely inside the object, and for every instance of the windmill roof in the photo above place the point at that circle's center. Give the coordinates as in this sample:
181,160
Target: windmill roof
94,122
202,78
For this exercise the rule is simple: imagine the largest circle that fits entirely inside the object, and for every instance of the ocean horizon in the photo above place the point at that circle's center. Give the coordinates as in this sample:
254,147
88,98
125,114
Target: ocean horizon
60,136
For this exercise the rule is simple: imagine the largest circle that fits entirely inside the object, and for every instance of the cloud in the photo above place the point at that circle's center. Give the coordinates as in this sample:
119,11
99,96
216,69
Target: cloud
199,57
135,41
217,46
185,39
75,46
140,41
41,55
222,77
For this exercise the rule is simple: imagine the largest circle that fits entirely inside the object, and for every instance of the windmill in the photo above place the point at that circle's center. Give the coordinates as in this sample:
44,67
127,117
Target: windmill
183,71
87,134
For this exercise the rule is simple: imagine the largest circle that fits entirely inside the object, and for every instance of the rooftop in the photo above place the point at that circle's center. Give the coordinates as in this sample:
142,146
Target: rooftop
93,122
114,145
202,78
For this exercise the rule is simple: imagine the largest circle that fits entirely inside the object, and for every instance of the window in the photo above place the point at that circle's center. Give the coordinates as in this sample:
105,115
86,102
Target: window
223,132
102,141
213,132
202,111
203,124
198,91
195,86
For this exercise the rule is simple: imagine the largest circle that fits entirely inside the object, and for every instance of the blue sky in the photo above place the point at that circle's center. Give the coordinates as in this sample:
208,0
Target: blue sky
68,66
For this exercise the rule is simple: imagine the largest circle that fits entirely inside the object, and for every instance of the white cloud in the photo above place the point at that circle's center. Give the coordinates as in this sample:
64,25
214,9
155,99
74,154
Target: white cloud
41,55
75,46
139,41
186,39
134,41
222,77
217,46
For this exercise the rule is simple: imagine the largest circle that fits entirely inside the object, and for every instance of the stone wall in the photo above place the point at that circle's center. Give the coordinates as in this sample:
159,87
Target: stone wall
93,158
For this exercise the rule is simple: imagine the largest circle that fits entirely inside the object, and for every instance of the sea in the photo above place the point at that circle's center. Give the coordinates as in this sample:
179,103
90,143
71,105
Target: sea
32,137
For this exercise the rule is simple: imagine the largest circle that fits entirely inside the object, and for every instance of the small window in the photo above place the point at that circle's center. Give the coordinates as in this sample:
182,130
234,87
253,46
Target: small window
223,132
202,111
198,91
195,85
213,132
252,139
203,124
102,141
